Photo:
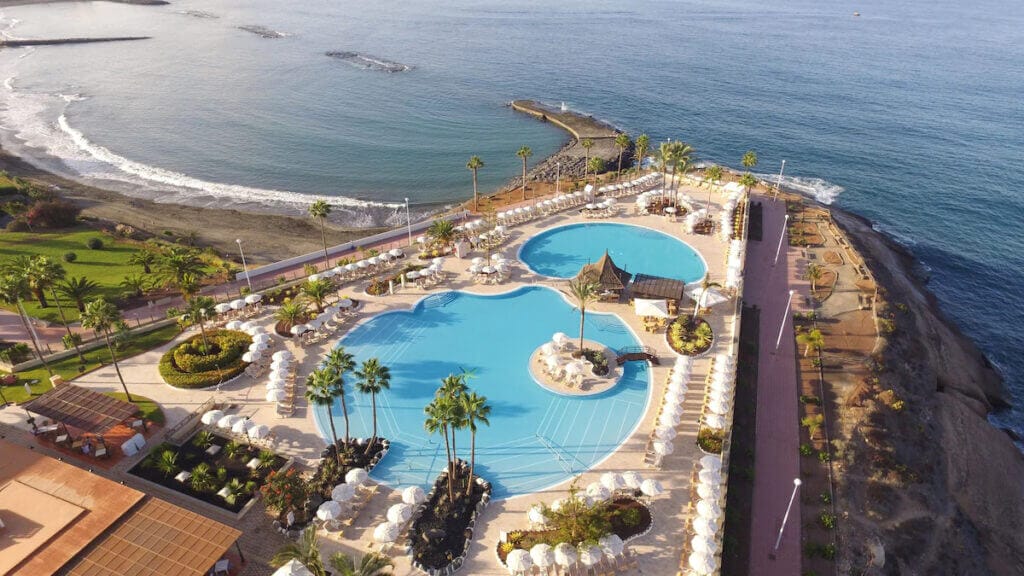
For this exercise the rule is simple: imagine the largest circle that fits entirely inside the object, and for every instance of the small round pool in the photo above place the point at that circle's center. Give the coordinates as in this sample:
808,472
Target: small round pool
536,438
561,252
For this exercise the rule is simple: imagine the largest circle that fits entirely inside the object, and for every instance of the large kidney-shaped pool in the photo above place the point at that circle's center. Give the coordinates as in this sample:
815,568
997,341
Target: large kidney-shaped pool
561,252
536,438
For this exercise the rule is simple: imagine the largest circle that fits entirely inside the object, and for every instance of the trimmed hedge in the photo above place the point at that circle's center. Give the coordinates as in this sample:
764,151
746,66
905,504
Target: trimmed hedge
183,367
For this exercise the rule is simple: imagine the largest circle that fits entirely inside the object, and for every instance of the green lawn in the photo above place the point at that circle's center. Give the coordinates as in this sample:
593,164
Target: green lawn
39,378
150,409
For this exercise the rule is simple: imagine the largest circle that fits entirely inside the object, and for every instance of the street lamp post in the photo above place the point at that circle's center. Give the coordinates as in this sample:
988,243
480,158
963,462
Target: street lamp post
408,221
245,269
778,183
558,176
782,236
796,486
784,317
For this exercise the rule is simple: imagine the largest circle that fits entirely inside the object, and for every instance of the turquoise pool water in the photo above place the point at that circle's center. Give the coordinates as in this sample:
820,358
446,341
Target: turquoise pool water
536,438
561,252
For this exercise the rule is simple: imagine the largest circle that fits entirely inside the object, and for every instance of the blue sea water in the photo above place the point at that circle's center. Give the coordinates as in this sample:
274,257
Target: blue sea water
909,114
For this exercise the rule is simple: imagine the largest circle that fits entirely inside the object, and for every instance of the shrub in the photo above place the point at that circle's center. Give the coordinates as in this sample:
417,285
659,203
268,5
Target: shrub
94,244
825,498
823,456
812,400
17,225
53,214
70,257
711,440
631,517
284,491
806,450
203,439
827,520
184,366
71,340
15,353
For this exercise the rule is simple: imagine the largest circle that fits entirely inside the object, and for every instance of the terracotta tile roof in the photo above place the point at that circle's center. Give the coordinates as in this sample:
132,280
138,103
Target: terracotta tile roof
81,408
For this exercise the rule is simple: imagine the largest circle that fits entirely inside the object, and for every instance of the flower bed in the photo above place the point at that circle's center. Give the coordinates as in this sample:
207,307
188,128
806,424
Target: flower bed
209,473
598,360
191,365
329,474
687,339
710,441
441,534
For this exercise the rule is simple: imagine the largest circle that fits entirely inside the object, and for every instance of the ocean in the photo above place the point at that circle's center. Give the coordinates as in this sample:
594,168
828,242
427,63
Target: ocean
909,114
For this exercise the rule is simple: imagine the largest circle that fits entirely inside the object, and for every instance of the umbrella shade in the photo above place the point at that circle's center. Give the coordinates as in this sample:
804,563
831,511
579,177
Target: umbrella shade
565,554
228,421
611,545
412,275
702,563
547,349
396,253
518,560
573,368
260,431
479,261
237,304
421,239
553,361
709,509
655,308
665,433
261,337
222,308
253,298
679,377
362,264
559,337
632,479
719,407
338,270
710,477
711,462
413,495
668,419
557,504
663,447
674,396
373,260
708,298
590,555
293,568
275,385
613,481
709,491
386,532
281,355
683,363
598,491
240,426
212,417
276,395
704,544
343,492
233,325
536,515
704,526
651,487
400,513
355,476
351,267
716,421
437,261
329,510
251,356
719,395
344,303
543,555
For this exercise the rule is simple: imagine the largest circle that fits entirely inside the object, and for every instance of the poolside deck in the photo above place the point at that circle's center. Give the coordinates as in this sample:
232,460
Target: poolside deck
658,552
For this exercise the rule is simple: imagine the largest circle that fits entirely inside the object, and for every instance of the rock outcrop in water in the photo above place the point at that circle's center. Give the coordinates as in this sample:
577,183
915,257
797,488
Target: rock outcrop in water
198,14
262,31
370,62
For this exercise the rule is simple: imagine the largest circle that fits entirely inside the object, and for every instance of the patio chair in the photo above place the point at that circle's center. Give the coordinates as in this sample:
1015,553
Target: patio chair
222,567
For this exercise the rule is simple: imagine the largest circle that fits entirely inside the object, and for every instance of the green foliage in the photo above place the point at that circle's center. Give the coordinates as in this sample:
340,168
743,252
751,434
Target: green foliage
94,243
266,458
167,462
237,489
825,498
806,449
710,440
688,340
235,449
813,423
827,520
823,456
69,257
577,521
227,347
202,478
284,491
203,440
631,517
809,399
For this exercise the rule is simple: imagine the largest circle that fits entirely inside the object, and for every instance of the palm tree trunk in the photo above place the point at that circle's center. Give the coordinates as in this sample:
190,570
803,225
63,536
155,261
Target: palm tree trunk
344,412
583,315
323,236
32,337
334,434
81,304
369,447
448,453
40,296
113,358
455,455
524,178
618,172
71,337
472,463
476,196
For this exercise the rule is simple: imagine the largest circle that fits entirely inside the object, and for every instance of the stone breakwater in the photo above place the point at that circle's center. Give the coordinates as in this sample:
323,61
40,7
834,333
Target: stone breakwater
369,62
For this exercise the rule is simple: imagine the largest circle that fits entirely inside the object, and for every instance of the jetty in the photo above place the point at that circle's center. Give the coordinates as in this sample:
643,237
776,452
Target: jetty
579,125
59,41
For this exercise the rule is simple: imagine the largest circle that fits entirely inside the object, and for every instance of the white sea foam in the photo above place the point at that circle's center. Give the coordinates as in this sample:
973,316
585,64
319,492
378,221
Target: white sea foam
821,190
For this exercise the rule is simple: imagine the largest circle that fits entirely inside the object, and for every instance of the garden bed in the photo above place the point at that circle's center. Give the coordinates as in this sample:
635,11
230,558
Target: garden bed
688,340
226,468
328,474
441,534
193,365
598,359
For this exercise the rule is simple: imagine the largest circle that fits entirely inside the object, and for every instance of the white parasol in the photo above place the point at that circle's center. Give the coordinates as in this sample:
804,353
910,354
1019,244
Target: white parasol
355,476
519,561
250,356
611,544
565,554
663,448
711,462
387,532
313,277
536,515
253,298
233,325
665,433
613,481
222,308
413,495
282,355
704,526
598,491
396,253
212,417
240,426
226,422
632,479
259,432
543,555
710,477
329,510
276,395
702,563
709,491
400,513
651,487
343,492
709,509
704,544
653,308
716,421
590,555
237,304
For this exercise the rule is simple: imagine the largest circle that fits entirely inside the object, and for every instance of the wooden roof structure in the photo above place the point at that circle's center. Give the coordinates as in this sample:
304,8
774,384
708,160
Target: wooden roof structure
607,275
645,286
81,408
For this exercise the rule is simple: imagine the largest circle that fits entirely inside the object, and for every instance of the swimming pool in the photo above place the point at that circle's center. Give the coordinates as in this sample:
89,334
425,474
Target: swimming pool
536,438
561,252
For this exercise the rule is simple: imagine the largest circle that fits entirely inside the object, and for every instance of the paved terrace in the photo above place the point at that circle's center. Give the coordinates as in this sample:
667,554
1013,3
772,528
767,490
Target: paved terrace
658,552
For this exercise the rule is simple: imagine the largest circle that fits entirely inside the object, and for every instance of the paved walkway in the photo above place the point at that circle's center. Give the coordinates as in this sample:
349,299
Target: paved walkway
777,434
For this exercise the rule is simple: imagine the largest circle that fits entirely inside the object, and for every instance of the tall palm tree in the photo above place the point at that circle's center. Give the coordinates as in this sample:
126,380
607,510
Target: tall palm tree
814,273
584,291
321,210
305,551
666,159
474,164
713,173
13,289
476,410
812,340
40,272
322,386
101,316
292,312
524,153
453,388
340,362
643,146
705,285
372,378
181,267
78,289
681,161
587,144
134,284
622,142
144,258
372,564
595,165
438,414
749,159
317,291
196,313
748,180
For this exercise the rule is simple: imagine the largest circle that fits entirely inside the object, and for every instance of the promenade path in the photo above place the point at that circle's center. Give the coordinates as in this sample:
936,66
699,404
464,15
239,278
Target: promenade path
776,455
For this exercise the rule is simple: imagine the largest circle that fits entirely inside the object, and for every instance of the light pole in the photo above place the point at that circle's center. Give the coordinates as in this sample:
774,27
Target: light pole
245,269
782,236
408,221
778,183
796,486
558,176
784,317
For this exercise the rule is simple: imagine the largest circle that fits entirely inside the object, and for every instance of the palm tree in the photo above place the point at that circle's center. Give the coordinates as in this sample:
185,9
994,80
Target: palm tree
749,159
134,284
292,312
340,362
437,422
476,410
317,291
713,173
321,388
524,153
189,286
202,478
372,378
181,267
196,312
13,289
587,144
814,273
622,142
40,272
144,258
372,564
705,285
748,180
305,551
236,489
643,146
474,164
595,165
681,153
584,291
453,388
321,210
442,231
666,158
101,315
167,462
812,340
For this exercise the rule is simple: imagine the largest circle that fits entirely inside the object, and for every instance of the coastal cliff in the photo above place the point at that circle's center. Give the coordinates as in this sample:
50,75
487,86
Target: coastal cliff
928,485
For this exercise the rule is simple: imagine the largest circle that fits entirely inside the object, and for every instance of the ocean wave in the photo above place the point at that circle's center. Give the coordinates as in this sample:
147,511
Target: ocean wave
821,190
899,238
